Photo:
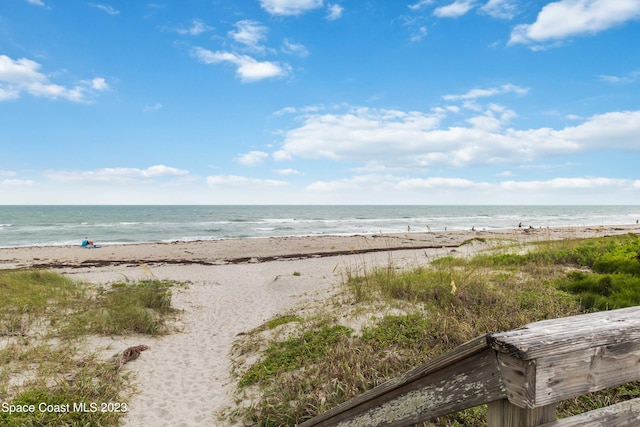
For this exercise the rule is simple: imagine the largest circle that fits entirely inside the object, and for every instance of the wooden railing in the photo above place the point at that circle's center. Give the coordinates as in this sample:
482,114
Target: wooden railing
521,374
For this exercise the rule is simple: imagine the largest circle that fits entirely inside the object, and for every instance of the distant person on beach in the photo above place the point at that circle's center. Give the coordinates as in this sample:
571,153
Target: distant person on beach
86,243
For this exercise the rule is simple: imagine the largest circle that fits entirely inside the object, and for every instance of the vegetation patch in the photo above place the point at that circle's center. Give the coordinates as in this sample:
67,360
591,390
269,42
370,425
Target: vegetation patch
44,375
287,380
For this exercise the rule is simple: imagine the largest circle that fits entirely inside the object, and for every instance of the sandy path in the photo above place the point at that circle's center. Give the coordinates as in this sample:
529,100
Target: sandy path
184,378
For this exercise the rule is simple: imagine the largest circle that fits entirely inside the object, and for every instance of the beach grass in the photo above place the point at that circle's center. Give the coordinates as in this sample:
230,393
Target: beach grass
44,367
385,321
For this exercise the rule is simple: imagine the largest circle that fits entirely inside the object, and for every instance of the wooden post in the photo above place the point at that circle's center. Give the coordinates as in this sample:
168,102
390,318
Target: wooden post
503,413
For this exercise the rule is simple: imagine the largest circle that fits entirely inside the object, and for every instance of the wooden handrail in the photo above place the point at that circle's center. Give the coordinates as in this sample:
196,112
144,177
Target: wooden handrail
521,374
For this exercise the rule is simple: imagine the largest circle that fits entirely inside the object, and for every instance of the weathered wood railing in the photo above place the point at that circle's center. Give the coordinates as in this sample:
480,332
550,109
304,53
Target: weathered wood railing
521,375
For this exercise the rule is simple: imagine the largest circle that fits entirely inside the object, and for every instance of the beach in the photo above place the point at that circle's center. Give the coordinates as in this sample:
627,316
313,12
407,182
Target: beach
234,285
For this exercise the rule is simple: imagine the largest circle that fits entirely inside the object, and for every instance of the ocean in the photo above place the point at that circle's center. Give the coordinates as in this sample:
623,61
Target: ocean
68,225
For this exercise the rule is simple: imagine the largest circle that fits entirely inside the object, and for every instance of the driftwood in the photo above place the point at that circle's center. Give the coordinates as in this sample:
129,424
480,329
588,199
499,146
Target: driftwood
130,354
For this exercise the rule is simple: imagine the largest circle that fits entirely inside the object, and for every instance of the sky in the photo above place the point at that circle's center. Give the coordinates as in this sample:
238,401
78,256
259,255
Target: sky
320,102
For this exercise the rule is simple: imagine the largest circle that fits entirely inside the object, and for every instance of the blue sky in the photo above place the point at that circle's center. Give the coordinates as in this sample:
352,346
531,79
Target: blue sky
320,102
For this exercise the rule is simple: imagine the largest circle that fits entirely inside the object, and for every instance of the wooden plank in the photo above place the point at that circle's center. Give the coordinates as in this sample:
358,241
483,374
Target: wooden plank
463,378
563,376
503,413
569,334
624,414
519,379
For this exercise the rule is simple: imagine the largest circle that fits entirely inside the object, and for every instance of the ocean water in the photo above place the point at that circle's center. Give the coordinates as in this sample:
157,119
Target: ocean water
64,225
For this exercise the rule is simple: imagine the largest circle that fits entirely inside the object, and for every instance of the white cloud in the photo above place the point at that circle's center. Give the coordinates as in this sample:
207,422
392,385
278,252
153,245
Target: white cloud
290,7
567,184
252,158
155,107
36,2
99,84
451,190
455,9
294,48
503,9
8,93
566,18
334,11
288,172
242,181
418,139
420,4
494,118
616,130
418,34
120,175
482,93
18,183
249,33
23,75
627,78
108,9
197,27
247,68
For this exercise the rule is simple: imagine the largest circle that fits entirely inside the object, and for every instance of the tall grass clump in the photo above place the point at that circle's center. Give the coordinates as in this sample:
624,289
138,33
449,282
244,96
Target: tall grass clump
127,308
44,318
27,297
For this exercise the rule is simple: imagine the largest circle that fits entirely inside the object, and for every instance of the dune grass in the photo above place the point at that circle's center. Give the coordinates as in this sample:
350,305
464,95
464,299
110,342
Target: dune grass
44,318
388,320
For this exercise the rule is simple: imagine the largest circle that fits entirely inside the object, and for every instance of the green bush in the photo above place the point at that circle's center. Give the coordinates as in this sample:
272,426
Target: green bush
602,291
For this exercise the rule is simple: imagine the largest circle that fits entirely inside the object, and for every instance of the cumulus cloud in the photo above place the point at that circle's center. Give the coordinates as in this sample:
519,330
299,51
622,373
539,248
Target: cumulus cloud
455,9
118,175
249,33
334,11
290,7
99,84
420,140
567,18
252,158
503,9
197,27
23,75
248,69
288,171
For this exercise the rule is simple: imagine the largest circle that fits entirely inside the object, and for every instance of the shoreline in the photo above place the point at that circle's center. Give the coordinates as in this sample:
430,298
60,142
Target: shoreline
267,249
233,286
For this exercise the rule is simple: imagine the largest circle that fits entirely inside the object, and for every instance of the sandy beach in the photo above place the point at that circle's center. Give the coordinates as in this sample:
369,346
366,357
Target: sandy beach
235,285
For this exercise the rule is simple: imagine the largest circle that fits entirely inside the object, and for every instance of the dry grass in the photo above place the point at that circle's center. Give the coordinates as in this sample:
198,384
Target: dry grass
44,320
289,372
